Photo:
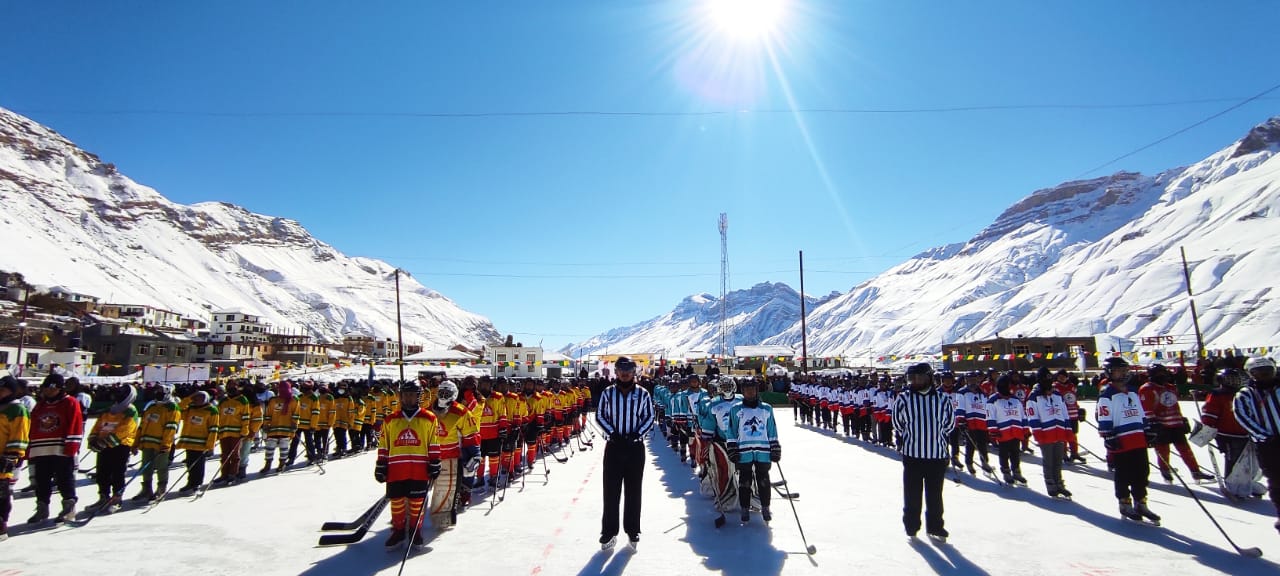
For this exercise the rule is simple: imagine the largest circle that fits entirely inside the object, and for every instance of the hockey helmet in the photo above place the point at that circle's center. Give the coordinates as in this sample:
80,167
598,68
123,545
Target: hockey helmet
447,393
1230,378
1115,363
1259,363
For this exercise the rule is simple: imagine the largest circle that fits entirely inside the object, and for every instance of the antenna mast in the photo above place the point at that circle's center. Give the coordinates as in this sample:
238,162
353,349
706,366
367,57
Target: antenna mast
724,286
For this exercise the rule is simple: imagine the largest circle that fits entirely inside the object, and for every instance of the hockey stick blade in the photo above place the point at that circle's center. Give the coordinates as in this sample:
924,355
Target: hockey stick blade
352,525
358,535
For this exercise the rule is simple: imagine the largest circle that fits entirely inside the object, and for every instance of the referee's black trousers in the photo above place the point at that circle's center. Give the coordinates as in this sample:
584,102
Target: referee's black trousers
623,470
922,475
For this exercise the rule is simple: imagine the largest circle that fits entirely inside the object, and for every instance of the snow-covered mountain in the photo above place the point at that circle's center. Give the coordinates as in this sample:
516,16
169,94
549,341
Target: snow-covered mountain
70,219
1089,257
754,314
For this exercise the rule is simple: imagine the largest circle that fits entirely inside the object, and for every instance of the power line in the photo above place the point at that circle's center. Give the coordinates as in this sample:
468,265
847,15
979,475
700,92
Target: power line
617,113
1258,96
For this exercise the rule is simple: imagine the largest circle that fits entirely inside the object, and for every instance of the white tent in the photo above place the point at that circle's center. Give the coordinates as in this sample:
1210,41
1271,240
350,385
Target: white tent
441,356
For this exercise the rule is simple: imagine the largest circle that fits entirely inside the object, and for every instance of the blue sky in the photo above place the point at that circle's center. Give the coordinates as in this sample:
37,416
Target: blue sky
562,226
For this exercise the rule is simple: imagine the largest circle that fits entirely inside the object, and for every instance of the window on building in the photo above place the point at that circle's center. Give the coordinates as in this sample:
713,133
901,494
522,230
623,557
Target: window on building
231,317
4,358
228,339
1021,349
180,351
529,368
144,349
162,350
985,350
502,357
33,359
107,349
200,349
217,350
1048,349
530,358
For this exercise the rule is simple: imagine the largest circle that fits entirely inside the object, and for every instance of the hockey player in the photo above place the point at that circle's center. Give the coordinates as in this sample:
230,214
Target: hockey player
1067,388
1164,416
752,443
1022,391
882,402
697,436
517,418
344,413
157,431
975,423
308,411
458,438
1047,416
493,428
1007,425
1257,408
1219,423
1124,431
112,438
325,416
234,420
947,379
678,408
408,462
57,428
15,427
661,398
282,426
198,437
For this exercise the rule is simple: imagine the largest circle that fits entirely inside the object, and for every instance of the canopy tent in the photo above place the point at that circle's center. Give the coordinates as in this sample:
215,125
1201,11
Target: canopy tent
441,356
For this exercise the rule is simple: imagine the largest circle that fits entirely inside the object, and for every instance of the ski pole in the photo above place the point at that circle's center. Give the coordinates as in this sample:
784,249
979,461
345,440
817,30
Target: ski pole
1249,552
811,549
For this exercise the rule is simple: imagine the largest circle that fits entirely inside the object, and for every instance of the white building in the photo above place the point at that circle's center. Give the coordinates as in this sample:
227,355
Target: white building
62,293
150,316
516,361
239,326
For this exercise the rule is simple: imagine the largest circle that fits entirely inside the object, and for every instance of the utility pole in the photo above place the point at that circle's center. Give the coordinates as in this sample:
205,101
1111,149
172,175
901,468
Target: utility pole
399,329
1195,318
724,283
804,328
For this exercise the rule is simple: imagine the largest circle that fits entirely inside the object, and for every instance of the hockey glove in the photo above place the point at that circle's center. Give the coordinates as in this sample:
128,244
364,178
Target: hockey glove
1082,414
8,464
1186,427
775,454
1153,432
1111,442
469,471
97,444
433,469
733,452
380,471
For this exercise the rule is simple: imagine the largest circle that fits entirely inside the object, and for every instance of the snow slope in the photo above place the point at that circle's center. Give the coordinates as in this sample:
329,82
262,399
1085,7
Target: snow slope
1089,257
69,219
850,506
755,314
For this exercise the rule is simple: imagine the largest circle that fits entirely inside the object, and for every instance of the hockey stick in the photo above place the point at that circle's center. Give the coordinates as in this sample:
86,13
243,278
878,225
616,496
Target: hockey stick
360,531
1249,552
354,524
811,549
94,513
222,465
163,495
1213,458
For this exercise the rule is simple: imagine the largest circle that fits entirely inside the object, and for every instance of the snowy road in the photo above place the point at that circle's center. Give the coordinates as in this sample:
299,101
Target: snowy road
850,505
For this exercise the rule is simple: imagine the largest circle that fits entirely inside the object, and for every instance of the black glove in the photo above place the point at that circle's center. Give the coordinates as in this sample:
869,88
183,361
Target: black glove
1153,432
775,454
502,436
1082,414
1186,427
98,444
433,469
1111,442
733,452
8,464
616,437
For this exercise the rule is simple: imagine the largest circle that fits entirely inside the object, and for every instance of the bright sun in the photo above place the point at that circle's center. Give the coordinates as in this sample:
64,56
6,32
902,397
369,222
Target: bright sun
746,19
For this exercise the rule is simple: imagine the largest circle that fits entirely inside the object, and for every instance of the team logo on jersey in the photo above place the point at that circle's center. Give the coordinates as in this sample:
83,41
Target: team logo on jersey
1168,399
1070,397
49,423
197,420
408,437
752,426
153,417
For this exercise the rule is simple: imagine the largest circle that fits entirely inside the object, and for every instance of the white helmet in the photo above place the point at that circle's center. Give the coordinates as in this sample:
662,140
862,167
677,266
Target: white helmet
1259,362
446,394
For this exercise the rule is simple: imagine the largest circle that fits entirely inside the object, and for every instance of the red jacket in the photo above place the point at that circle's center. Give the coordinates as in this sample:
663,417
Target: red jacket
57,428
1220,413
1160,402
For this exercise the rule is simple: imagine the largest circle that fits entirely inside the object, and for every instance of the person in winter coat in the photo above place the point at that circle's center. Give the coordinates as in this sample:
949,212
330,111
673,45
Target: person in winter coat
57,428
157,431
1164,416
15,427
1257,408
281,425
112,438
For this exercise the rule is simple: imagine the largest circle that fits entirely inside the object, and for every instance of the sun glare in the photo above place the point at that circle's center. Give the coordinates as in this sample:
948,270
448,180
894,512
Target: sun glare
746,19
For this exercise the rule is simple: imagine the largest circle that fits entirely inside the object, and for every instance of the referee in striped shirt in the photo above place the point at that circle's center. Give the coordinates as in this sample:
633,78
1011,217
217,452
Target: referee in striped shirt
1257,408
625,414
923,418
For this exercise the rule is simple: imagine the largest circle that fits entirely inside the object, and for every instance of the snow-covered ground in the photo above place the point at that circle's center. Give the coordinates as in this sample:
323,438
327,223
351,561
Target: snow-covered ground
850,503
